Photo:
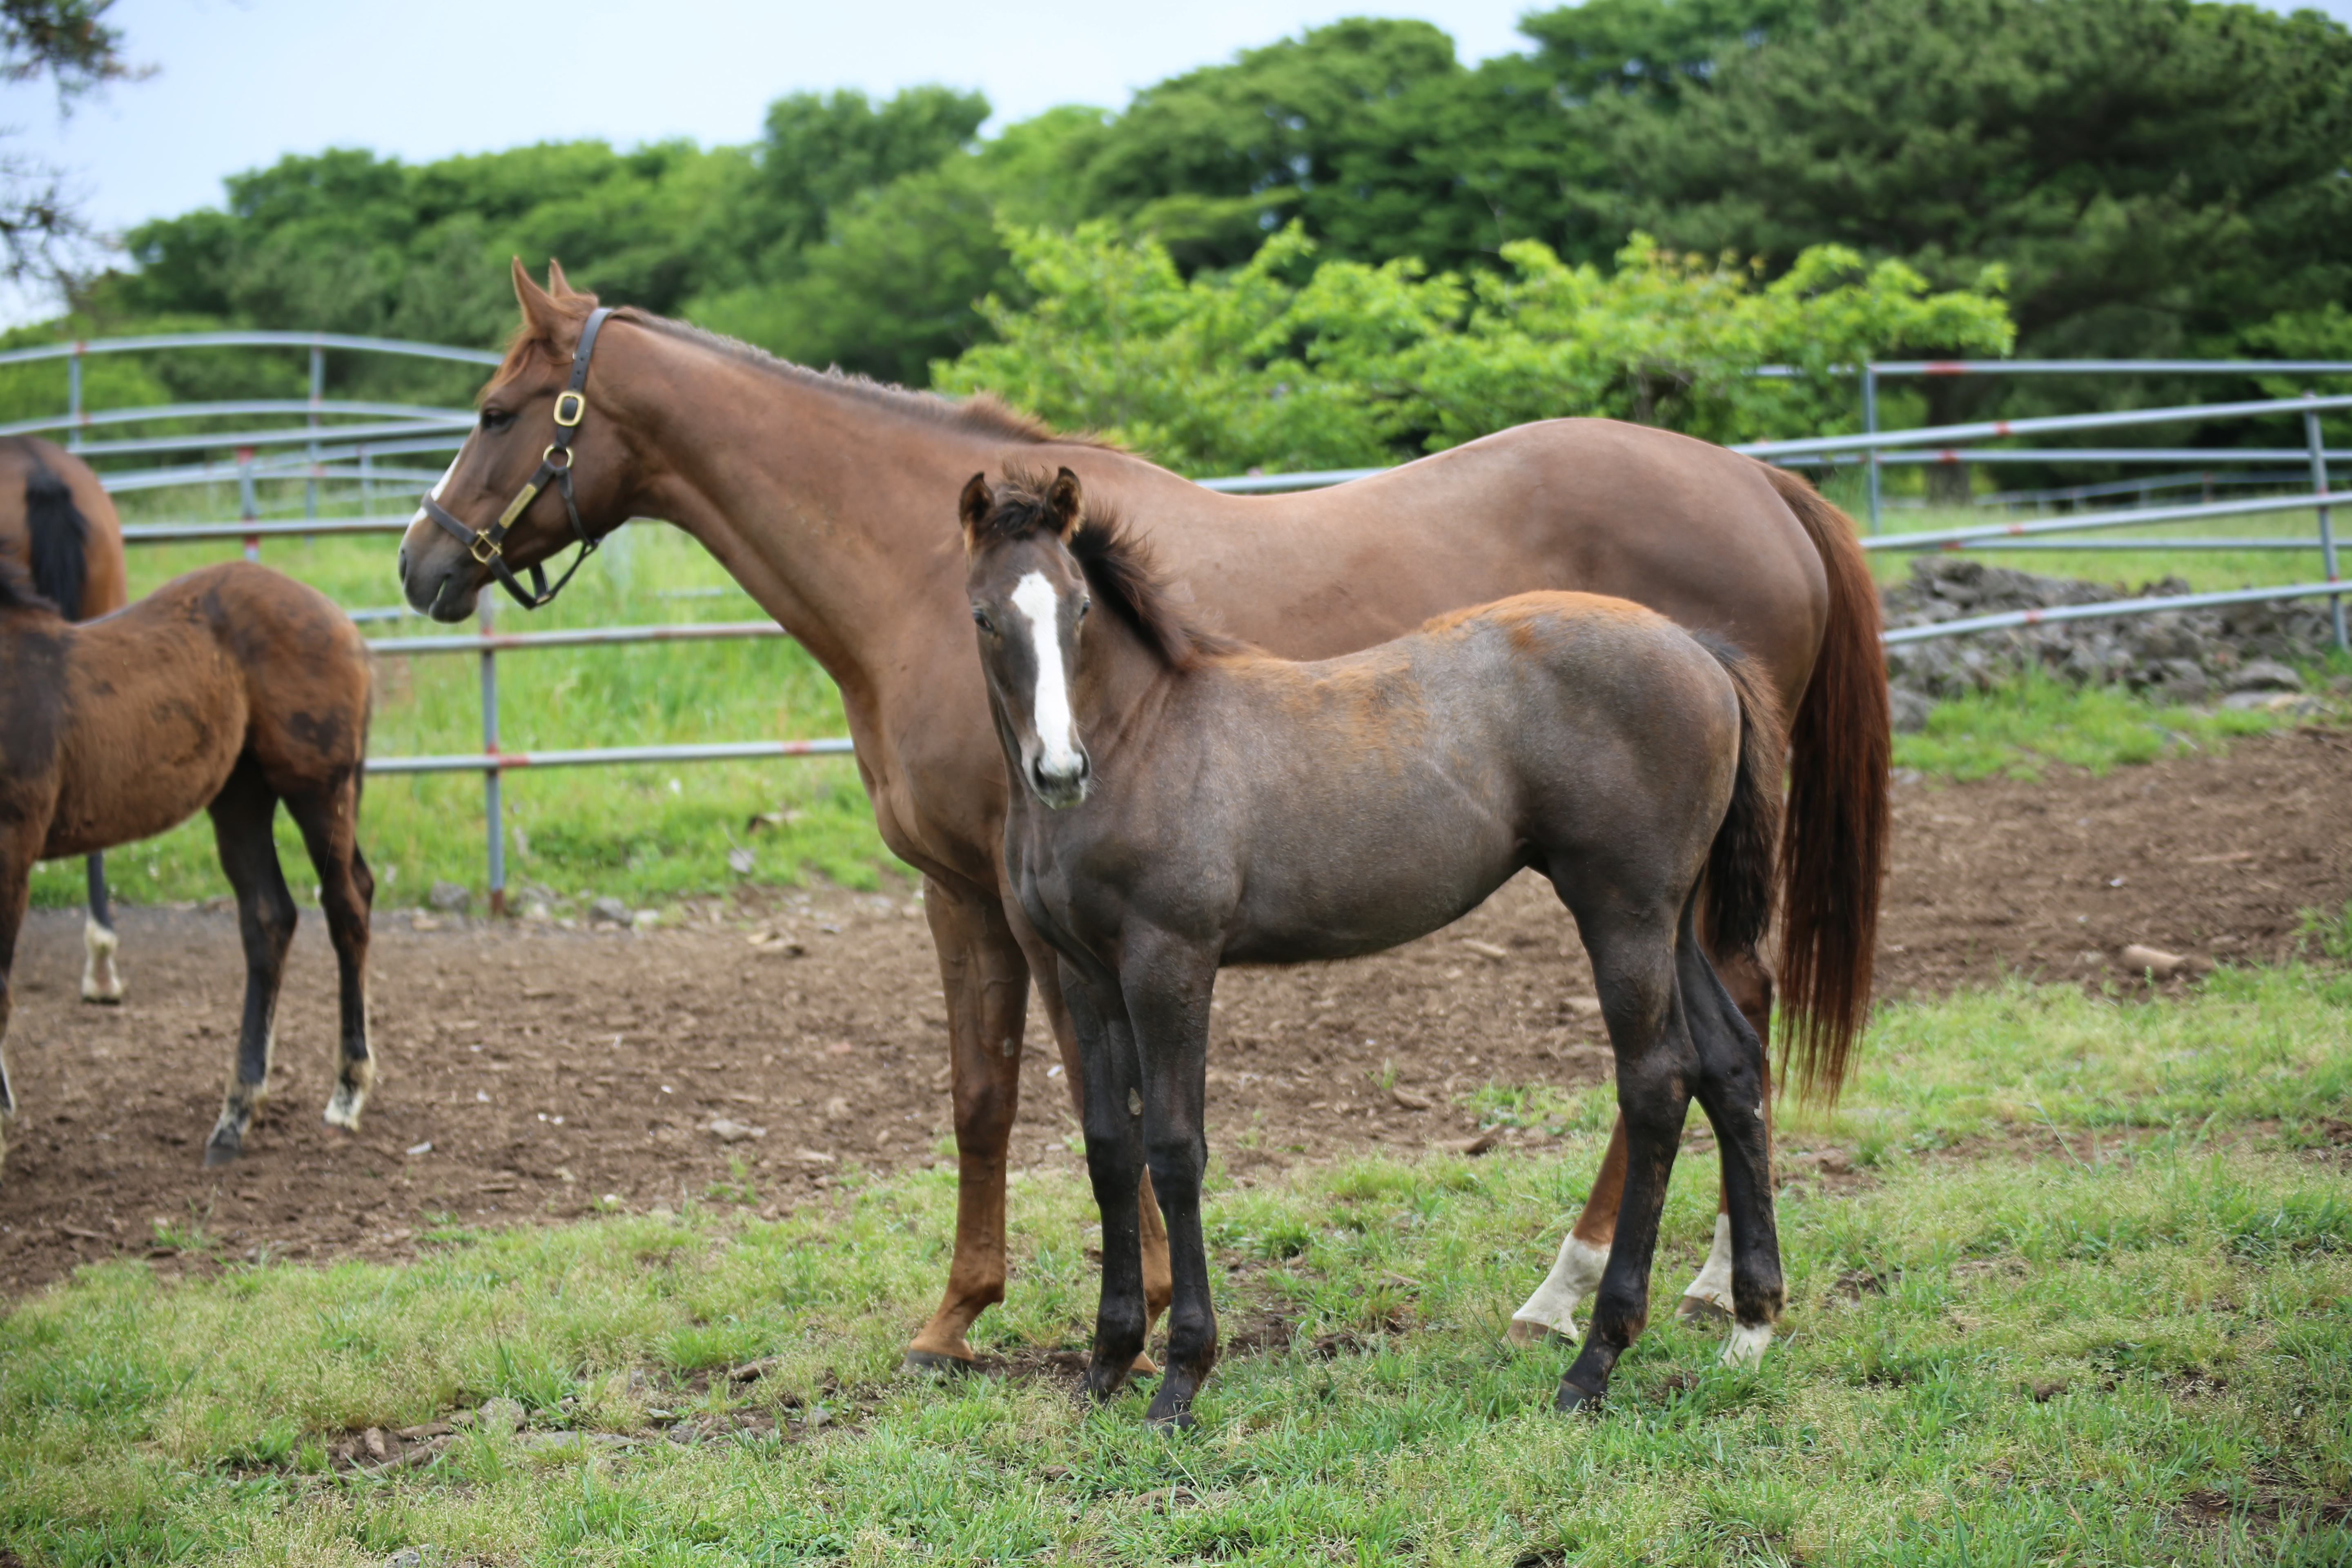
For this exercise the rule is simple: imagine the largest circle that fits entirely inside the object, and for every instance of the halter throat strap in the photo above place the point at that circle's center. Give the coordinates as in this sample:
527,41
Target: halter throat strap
486,545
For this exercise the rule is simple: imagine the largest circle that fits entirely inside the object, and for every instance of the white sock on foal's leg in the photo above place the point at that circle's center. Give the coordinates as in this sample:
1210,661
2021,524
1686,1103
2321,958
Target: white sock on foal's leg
1552,1308
1713,1283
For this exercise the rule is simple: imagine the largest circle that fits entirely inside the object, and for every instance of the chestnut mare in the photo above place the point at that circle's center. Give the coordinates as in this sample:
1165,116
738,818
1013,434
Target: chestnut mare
230,689
1183,802
58,523
824,496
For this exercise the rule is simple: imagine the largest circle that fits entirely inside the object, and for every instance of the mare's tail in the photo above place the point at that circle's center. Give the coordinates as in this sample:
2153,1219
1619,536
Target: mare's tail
60,537
1834,842
1740,861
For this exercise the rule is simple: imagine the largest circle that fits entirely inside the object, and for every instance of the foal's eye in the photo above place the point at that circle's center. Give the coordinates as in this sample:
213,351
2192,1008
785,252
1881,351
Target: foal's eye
1084,606
979,619
497,419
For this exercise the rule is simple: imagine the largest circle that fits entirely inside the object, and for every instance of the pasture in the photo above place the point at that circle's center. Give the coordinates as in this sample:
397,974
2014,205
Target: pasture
2069,1268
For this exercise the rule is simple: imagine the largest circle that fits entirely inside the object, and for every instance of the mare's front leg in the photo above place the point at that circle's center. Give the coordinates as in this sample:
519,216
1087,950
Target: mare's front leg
241,817
1633,967
100,980
1168,985
986,982
328,819
1111,1112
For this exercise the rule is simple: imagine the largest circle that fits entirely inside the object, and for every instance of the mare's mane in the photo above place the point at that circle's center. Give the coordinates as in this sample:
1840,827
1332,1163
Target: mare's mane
1117,565
982,414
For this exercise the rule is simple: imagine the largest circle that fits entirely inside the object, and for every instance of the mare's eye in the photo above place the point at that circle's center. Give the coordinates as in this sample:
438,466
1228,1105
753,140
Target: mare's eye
979,619
497,419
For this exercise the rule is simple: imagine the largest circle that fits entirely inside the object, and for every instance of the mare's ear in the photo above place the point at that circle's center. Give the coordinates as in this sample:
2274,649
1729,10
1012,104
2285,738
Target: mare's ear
539,311
971,509
1066,506
557,284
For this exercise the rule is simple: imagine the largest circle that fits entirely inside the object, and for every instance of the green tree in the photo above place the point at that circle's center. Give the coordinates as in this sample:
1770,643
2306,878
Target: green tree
1361,364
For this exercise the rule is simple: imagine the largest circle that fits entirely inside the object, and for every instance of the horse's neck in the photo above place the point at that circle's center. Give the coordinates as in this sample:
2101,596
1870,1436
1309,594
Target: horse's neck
836,511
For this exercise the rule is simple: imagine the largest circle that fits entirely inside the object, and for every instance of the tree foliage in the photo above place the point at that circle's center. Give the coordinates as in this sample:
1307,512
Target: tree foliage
1362,364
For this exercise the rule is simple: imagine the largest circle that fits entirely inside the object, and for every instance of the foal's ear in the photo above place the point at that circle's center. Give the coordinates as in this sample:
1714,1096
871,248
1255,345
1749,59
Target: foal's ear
1065,507
540,311
972,508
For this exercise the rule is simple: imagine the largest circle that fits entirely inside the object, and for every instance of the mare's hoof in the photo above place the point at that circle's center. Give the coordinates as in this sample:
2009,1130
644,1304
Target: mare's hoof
934,1362
1175,1421
1699,1310
1573,1397
104,998
1527,1333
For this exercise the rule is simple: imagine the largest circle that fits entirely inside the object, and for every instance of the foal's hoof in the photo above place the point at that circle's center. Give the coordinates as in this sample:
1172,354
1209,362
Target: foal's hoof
933,1361
219,1153
103,998
1700,1310
1573,1397
1144,1366
1173,1421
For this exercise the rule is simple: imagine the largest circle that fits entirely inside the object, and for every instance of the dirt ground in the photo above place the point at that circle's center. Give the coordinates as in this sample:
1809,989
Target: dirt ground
534,1073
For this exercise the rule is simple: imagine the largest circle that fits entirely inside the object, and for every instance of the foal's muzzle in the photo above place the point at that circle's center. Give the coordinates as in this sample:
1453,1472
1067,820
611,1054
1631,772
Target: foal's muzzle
1065,788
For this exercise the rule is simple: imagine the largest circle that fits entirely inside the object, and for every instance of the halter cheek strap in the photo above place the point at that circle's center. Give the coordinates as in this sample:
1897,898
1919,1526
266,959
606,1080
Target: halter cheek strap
486,545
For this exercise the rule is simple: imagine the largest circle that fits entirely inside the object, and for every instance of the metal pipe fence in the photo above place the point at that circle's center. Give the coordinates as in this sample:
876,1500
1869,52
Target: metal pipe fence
402,429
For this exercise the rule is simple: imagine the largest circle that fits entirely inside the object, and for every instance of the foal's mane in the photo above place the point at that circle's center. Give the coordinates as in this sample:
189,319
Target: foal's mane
1117,565
982,414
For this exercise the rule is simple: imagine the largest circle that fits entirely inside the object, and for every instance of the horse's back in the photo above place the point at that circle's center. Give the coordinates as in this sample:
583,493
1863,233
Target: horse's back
163,697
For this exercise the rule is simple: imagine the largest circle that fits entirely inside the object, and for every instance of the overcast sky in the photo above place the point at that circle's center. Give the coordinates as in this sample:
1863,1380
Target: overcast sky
241,82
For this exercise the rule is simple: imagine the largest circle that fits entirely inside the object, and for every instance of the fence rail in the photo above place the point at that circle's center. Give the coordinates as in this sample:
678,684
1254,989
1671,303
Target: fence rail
401,429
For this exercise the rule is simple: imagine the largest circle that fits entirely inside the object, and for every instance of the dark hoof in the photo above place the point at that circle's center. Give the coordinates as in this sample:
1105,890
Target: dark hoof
1178,1421
218,1153
1573,1397
1699,1310
933,1361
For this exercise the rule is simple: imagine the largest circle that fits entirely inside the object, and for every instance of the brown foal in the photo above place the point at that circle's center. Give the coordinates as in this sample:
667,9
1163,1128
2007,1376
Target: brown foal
228,689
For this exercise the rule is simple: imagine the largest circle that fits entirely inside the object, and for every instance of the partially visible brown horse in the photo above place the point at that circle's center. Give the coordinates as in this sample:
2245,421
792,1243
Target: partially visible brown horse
822,494
58,523
1182,802
228,689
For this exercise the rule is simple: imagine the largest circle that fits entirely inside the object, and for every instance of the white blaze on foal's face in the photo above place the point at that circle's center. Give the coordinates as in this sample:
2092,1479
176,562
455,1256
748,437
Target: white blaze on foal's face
1050,719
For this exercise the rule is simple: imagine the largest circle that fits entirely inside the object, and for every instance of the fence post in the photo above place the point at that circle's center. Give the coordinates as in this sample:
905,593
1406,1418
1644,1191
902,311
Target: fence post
367,483
73,398
247,509
490,801
2326,521
317,395
1870,427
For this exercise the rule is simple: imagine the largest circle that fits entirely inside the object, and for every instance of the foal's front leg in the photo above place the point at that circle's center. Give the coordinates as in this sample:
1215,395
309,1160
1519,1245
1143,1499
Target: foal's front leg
100,980
1110,1110
15,890
1168,985
241,817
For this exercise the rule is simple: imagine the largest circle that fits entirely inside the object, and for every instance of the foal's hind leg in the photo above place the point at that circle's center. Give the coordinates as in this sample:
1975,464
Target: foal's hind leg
100,980
1733,1089
1749,983
241,817
327,818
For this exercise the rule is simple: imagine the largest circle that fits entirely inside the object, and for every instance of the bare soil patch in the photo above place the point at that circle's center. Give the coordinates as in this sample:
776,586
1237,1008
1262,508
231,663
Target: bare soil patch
548,1069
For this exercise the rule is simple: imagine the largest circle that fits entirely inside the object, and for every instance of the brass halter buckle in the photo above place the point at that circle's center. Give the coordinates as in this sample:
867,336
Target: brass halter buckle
571,405
484,547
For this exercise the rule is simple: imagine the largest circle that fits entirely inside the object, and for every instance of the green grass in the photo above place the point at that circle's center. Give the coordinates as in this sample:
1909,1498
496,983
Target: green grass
2134,1348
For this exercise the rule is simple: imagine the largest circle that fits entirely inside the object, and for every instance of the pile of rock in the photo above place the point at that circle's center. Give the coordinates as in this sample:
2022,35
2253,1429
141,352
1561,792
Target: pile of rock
2234,655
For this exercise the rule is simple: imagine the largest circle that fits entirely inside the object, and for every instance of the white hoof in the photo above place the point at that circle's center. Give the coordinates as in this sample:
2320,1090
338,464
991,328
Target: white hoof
100,982
343,1108
1746,1345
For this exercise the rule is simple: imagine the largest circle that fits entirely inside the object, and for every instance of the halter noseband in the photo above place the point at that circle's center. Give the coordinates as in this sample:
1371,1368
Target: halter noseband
554,463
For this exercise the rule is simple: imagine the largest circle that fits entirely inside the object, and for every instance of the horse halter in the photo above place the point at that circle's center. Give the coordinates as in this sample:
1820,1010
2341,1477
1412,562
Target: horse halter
555,464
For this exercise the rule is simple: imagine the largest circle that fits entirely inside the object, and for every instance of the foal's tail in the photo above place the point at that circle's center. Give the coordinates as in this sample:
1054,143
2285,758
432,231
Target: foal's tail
58,536
1739,864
